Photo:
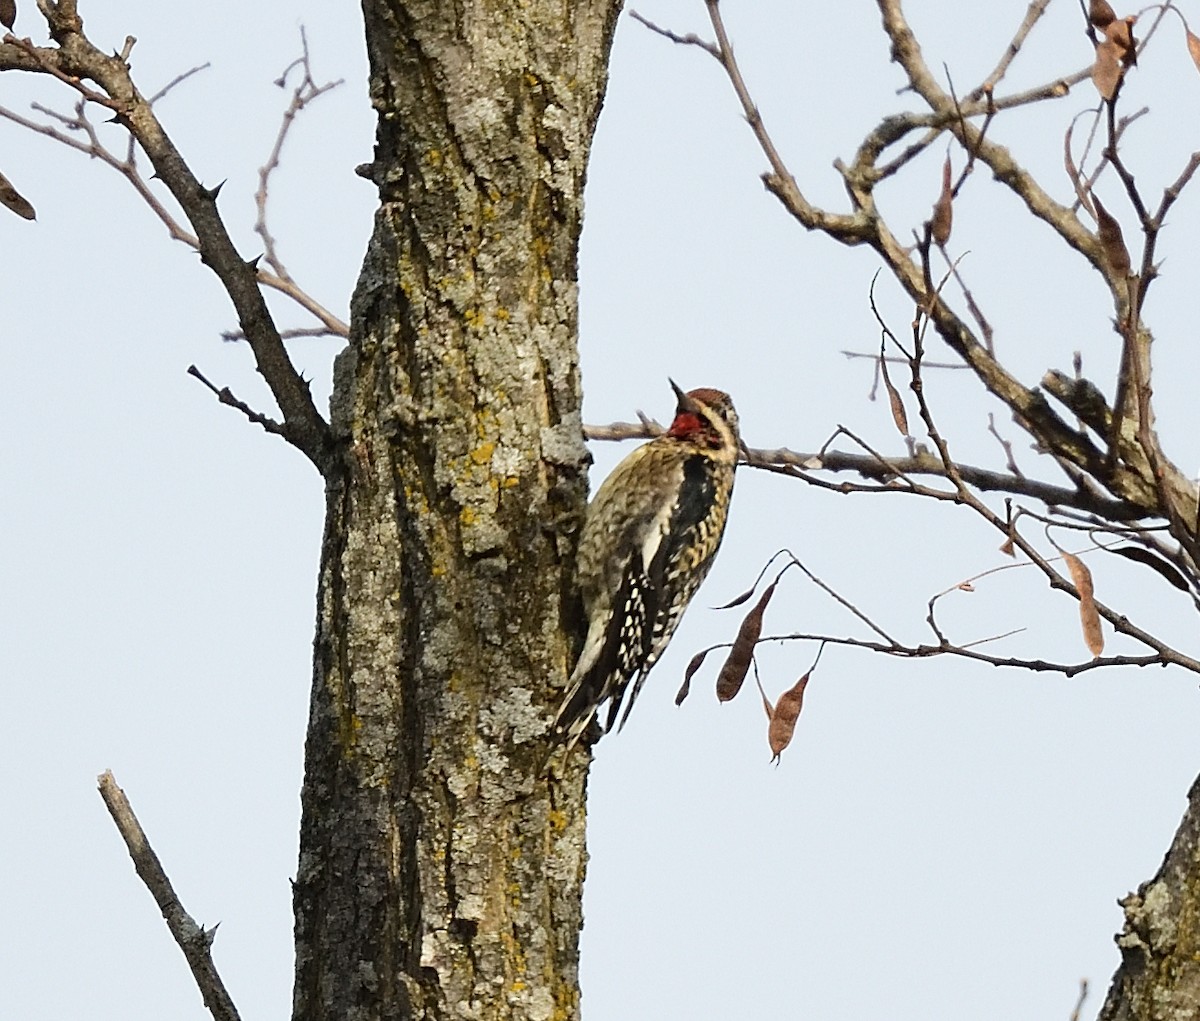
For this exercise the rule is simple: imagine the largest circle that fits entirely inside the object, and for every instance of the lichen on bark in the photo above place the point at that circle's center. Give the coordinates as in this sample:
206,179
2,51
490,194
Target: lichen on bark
441,863
1159,976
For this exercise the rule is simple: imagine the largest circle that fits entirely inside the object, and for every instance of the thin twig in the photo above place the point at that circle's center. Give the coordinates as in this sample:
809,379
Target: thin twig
225,396
895,360
1083,992
304,93
1009,461
691,39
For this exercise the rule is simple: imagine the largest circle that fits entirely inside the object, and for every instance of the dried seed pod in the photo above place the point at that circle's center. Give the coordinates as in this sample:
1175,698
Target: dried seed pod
1107,70
1120,34
1101,14
1089,616
8,13
692,667
737,664
1193,45
1111,240
943,209
899,415
783,719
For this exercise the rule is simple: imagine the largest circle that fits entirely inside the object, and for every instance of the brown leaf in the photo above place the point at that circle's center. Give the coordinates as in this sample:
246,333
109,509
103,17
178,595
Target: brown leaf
1107,70
783,719
737,664
1193,45
9,196
1007,549
1111,240
1089,616
943,209
692,667
899,415
8,13
1101,14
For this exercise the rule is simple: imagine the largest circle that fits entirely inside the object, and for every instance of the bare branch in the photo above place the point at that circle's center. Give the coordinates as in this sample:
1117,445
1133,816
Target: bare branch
194,940
1034,12
75,61
853,229
968,651
800,465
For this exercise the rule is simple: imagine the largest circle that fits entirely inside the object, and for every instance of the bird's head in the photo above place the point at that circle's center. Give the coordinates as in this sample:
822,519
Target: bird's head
706,418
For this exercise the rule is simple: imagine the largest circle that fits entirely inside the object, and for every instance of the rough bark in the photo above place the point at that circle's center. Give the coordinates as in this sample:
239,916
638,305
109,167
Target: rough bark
1159,976
441,862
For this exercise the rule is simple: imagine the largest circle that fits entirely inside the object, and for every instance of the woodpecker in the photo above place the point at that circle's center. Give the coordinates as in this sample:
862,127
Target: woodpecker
648,540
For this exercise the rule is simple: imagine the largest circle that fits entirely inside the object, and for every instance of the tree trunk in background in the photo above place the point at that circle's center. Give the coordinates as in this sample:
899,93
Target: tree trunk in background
1159,976
441,868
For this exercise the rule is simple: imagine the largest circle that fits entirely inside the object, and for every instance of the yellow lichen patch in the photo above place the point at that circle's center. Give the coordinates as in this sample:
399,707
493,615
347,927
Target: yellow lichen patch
468,516
475,318
510,481
435,157
482,454
514,952
351,725
502,314
557,820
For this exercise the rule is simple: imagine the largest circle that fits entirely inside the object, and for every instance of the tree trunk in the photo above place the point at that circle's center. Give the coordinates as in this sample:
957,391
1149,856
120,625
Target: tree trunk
1159,976
441,862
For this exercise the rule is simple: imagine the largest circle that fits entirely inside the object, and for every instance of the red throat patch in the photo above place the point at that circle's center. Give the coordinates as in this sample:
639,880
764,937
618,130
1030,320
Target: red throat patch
687,423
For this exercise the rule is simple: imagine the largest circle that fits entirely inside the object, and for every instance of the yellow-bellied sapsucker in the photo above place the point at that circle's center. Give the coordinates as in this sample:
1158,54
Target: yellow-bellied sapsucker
649,538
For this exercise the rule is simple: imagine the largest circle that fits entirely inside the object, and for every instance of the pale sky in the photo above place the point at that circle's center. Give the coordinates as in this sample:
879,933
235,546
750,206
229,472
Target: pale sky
942,839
